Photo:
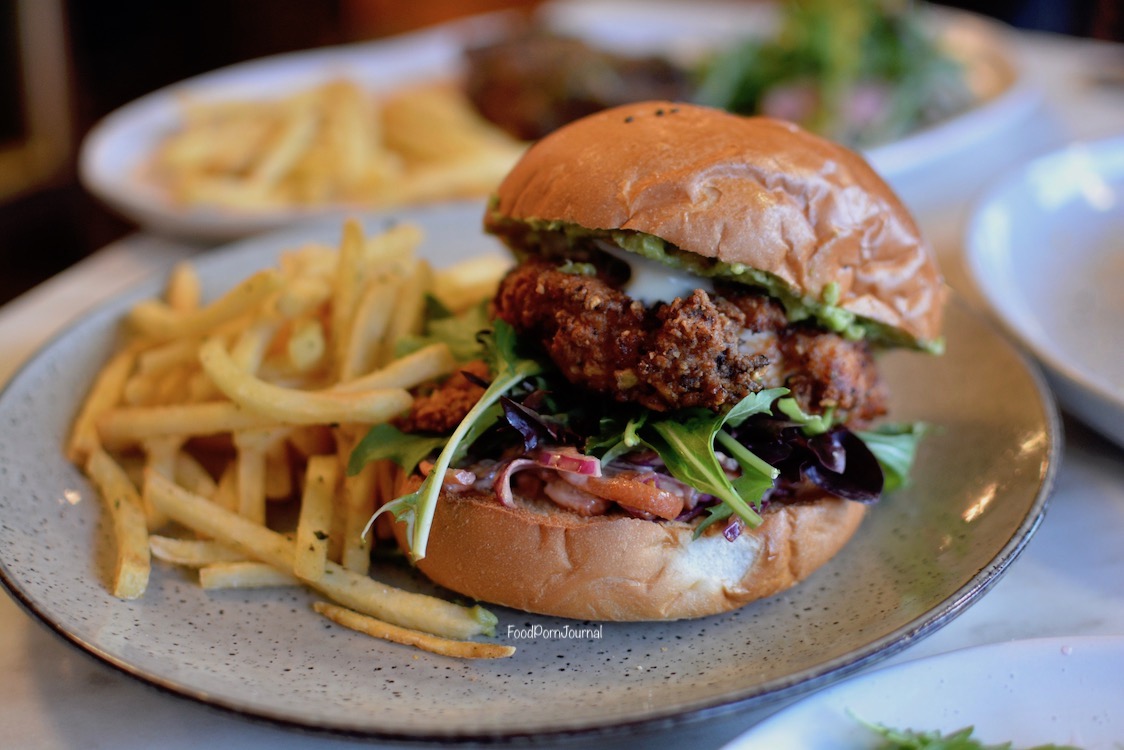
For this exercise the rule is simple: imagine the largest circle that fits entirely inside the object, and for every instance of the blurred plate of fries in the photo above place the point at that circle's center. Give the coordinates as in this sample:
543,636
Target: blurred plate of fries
262,144
173,500
266,143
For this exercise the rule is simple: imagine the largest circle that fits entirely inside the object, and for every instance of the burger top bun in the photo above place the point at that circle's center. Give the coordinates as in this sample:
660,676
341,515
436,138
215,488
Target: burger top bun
535,558
749,190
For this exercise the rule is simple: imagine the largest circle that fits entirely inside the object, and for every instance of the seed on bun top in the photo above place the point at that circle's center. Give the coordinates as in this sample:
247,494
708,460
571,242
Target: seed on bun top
760,200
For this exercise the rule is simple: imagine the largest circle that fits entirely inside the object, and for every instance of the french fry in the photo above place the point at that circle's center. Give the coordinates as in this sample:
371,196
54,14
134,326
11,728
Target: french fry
407,609
160,455
331,143
130,530
292,406
292,139
103,396
466,283
160,322
349,162
183,292
191,474
172,354
251,447
311,261
204,517
381,263
315,521
172,387
243,575
306,346
201,390
302,294
365,335
409,311
348,114
406,637
338,530
191,553
213,410
250,347
133,465
278,470
457,179
250,472
358,507
358,592
425,364
140,390
226,492
437,124
393,248
123,427
349,279
231,193
215,137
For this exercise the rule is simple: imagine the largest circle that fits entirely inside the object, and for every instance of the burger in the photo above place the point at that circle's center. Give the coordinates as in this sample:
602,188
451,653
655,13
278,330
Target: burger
678,408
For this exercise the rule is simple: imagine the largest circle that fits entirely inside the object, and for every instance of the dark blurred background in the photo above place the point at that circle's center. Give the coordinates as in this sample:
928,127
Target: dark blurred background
64,64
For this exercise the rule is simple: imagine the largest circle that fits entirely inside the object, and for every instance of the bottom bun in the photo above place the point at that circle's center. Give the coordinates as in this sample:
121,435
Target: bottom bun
538,558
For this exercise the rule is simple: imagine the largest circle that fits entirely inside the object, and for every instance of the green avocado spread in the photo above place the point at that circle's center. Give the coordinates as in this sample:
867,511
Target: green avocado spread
535,235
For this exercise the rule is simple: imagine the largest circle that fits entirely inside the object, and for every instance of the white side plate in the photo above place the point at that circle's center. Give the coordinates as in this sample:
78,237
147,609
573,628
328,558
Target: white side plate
1065,691
1046,249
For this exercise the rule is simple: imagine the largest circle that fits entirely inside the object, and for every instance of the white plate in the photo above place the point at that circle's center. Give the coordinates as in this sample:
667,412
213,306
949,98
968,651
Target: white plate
1046,249
921,557
1029,693
114,150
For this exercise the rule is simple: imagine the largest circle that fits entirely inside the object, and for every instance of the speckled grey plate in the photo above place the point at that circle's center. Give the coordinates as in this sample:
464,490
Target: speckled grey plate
921,557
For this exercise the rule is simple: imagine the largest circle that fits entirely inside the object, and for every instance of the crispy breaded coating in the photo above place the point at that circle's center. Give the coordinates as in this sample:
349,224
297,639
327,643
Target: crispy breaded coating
441,410
703,350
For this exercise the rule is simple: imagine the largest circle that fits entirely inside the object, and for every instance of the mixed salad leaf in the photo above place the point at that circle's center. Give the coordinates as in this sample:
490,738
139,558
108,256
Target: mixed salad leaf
458,332
416,509
685,444
733,460
895,447
862,72
960,739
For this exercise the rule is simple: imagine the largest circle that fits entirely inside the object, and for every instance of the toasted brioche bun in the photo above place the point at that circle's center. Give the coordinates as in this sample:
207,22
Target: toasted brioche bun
748,190
538,558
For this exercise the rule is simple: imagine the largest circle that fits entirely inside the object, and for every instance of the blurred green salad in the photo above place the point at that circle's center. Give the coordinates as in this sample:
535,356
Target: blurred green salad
861,72
961,739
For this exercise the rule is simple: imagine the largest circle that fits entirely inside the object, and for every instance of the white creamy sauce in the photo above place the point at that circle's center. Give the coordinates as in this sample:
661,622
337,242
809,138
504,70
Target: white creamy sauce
651,281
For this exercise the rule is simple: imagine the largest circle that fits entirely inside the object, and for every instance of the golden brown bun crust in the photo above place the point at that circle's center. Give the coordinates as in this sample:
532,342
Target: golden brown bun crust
539,559
748,190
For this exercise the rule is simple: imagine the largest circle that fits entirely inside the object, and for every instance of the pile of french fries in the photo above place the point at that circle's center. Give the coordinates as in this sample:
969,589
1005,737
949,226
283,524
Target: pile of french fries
333,144
215,421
